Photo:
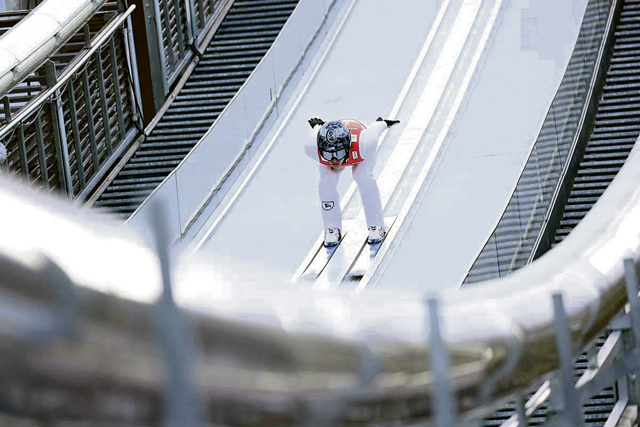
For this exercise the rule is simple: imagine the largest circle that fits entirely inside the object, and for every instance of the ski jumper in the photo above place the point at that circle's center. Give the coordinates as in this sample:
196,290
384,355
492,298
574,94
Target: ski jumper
362,160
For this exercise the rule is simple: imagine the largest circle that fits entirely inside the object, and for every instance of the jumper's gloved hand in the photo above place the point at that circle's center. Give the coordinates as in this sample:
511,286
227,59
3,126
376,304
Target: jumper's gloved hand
388,122
315,121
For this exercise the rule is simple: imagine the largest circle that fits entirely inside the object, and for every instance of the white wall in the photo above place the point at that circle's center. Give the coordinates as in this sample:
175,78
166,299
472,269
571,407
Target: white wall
189,186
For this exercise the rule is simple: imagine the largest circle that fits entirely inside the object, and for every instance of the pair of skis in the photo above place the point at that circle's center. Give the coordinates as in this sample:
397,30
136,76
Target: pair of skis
353,255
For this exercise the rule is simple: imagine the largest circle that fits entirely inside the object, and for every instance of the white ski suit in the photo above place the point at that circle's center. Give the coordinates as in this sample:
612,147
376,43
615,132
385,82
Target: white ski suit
362,174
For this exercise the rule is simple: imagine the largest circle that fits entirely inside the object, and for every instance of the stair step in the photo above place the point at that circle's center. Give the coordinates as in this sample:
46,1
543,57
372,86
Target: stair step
125,195
245,34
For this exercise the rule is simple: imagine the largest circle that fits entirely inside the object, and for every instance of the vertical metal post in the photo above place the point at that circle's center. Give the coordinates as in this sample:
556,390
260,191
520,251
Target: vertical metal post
523,420
154,51
212,7
592,357
22,151
106,123
622,389
631,284
161,49
182,403
201,13
7,109
73,113
63,168
130,53
87,36
91,127
4,160
42,159
59,131
632,389
169,35
495,241
554,155
443,398
191,21
176,7
4,163
571,414
115,76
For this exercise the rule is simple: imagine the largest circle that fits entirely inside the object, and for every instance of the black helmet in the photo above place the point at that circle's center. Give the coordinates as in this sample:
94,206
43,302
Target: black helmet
334,140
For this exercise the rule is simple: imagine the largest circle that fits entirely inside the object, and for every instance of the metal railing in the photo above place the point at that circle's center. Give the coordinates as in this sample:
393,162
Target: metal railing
68,136
278,355
255,104
35,83
39,35
180,26
512,241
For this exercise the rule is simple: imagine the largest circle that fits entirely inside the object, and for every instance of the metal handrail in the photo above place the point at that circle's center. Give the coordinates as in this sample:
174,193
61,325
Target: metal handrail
77,124
380,360
18,62
68,73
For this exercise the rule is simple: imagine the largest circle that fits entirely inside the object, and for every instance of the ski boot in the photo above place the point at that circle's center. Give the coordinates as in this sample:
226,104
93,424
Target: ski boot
376,234
332,237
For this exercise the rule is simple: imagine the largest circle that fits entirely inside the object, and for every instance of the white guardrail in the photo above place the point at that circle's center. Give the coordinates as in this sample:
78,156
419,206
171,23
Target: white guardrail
197,180
39,35
286,345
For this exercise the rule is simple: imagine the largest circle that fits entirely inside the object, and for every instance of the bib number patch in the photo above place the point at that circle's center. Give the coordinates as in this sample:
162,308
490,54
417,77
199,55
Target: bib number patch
327,206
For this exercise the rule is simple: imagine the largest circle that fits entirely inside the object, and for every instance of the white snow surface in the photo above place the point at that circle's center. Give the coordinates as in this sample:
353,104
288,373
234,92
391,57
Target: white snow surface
276,220
482,160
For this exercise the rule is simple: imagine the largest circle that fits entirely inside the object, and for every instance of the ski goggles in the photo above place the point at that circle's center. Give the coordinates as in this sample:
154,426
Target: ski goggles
340,154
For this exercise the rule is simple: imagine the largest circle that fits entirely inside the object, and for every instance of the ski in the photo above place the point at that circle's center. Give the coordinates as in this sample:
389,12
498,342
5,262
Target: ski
366,255
349,260
321,258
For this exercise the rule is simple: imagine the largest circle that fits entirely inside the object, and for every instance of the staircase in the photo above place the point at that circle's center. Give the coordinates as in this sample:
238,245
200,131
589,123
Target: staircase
617,124
243,38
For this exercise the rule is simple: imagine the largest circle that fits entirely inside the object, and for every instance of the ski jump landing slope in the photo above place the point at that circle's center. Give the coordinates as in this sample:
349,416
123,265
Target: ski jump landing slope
276,218
482,156
417,61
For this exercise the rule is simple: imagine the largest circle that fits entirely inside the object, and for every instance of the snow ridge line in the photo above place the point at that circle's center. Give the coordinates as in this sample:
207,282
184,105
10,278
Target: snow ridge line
408,83
394,111
420,120
409,209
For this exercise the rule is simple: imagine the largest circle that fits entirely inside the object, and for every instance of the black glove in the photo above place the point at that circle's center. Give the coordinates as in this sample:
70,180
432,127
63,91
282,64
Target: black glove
315,121
388,122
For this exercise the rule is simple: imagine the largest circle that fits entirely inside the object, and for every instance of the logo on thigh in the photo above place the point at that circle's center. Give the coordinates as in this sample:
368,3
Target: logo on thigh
327,206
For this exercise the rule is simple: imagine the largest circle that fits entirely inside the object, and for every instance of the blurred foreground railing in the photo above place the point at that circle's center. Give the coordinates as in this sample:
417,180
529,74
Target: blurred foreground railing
67,138
83,326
